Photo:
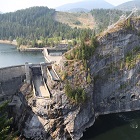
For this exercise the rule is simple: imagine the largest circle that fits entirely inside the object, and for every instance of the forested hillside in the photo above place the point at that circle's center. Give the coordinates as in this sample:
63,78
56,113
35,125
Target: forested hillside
33,23
106,17
39,26
96,19
128,6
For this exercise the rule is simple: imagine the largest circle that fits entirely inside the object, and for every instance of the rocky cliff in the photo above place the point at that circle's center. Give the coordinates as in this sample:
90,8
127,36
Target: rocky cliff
52,119
115,69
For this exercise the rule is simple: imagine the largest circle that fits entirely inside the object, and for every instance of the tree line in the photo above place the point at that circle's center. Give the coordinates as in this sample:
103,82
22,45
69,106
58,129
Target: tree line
34,23
106,17
38,23
6,124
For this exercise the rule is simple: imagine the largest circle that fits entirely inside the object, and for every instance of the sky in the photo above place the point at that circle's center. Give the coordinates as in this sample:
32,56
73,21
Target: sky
13,5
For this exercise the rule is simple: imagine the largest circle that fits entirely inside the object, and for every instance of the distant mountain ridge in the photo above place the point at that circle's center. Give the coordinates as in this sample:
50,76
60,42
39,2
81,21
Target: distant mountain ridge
75,10
33,23
86,4
128,6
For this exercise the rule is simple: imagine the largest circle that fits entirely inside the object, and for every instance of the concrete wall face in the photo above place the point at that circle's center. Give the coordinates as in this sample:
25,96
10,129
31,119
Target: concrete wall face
28,73
11,79
11,72
9,88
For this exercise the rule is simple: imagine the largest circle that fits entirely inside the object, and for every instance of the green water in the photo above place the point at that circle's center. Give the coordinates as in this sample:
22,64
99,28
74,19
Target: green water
9,56
121,126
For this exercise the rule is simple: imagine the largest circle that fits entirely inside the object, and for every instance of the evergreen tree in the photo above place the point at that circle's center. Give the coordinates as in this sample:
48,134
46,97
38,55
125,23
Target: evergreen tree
34,24
88,78
83,95
5,123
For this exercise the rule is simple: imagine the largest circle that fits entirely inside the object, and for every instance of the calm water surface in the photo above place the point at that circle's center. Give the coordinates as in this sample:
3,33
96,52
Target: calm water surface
122,126
10,56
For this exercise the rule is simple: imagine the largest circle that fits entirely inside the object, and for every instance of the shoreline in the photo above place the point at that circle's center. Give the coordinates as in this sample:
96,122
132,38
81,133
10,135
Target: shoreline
8,42
23,48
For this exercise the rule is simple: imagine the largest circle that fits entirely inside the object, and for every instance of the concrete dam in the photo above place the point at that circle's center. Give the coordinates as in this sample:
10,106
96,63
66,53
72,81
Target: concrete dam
12,78
40,75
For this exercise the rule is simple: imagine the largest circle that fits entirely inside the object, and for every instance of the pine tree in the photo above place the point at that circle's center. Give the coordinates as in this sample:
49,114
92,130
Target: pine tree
5,123
88,78
76,98
83,95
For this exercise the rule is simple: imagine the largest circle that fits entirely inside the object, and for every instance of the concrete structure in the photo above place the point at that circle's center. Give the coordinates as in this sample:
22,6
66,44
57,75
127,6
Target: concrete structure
27,71
11,79
53,55
39,81
11,72
52,73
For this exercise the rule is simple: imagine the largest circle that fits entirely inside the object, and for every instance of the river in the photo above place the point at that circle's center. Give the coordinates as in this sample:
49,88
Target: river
9,56
121,126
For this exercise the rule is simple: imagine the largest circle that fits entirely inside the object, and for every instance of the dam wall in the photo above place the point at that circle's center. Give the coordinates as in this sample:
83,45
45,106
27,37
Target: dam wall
8,73
11,79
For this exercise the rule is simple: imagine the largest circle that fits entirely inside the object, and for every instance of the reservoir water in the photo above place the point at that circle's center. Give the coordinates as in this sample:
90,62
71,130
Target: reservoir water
9,56
121,126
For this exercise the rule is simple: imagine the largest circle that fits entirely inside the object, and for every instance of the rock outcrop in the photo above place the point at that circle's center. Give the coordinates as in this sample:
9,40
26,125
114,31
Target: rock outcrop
52,119
115,69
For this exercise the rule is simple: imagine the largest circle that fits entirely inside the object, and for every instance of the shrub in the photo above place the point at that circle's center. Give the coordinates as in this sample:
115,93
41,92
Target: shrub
64,76
77,22
5,123
66,63
78,95
88,78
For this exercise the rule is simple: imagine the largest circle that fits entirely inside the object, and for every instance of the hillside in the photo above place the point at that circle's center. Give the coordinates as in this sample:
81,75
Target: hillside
33,23
37,23
80,20
88,4
97,19
105,17
128,6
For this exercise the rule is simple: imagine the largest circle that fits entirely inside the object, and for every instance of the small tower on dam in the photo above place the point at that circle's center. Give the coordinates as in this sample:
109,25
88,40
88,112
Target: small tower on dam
28,72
